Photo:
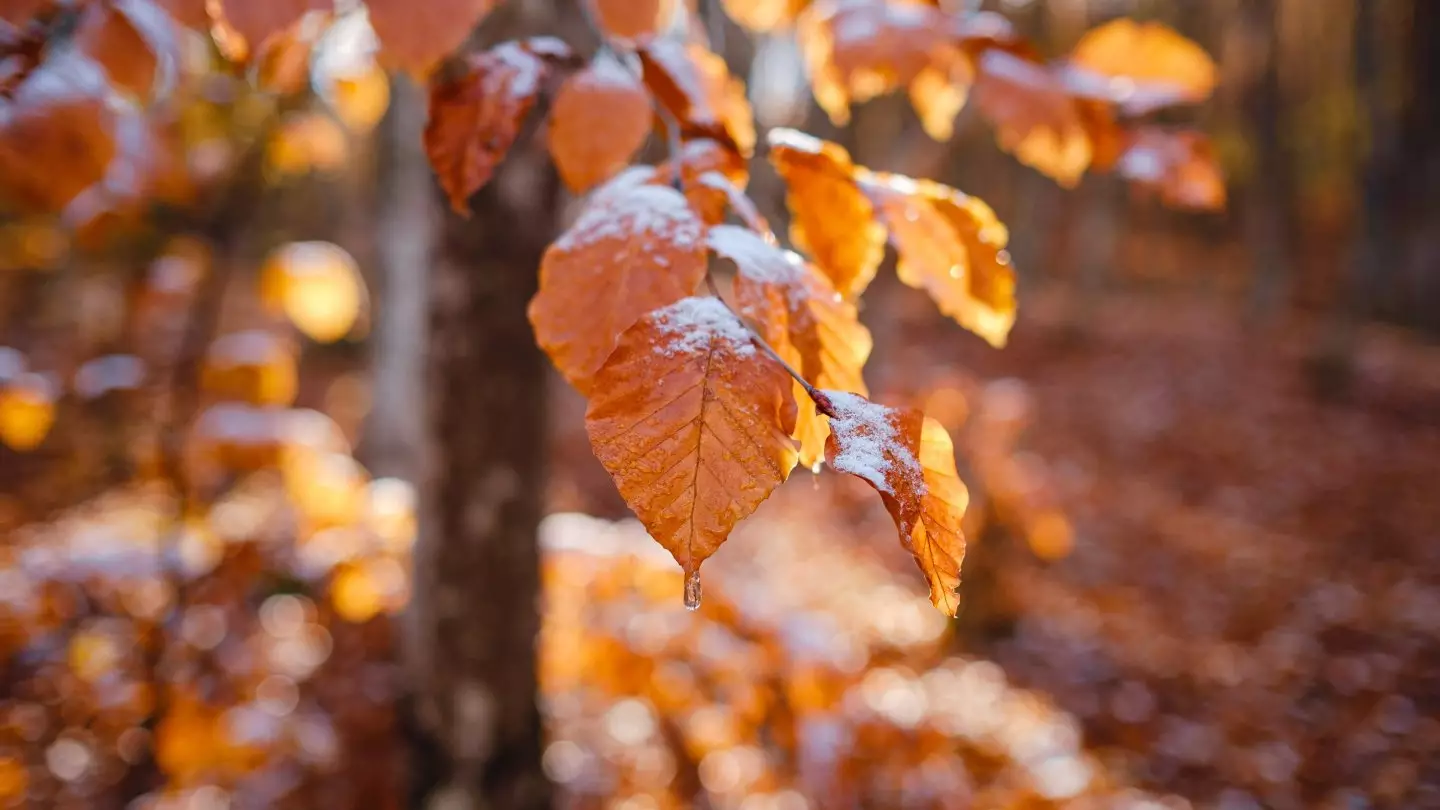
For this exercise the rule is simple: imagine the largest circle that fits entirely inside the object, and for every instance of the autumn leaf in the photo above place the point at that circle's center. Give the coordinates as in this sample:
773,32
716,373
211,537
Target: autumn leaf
764,16
693,423
635,249
19,12
414,36
107,35
633,21
188,13
475,118
712,194
57,137
600,117
693,84
1034,117
831,219
801,316
256,22
1140,66
1181,166
950,245
909,459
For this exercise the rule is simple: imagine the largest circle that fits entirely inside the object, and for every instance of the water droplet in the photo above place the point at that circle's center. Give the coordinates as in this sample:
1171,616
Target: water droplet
692,590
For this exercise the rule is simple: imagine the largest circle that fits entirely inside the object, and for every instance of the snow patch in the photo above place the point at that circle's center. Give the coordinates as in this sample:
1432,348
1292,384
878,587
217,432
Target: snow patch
869,445
757,259
652,216
692,324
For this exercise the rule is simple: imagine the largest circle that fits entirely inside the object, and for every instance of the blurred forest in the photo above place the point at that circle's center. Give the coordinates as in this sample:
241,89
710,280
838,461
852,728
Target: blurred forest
272,419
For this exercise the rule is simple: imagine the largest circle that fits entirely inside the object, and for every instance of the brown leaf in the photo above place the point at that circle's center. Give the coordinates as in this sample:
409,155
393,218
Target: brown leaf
1181,166
475,118
256,21
108,36
909,459
1140,66
831,219
633,21
952,246
20,12
803,318
696,88
600,117
693,423
414,36
635,248
763,16
1034,117
56,140
188,13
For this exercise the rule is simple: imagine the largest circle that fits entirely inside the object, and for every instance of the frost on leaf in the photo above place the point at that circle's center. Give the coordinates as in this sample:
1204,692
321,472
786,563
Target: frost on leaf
696,89
712,174
1034,117
57,136
952,246
858,51
1140,66
908,458
831,219
414,36
693,424
475,118
1180,166
633,21
801,316
600,117
636,248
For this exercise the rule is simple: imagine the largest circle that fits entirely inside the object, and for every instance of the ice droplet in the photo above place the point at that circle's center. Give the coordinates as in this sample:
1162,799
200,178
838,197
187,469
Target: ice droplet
692,590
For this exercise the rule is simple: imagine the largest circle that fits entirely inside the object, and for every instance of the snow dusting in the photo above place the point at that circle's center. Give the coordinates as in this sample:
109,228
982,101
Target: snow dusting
869,446
652,216
757,259
608,71
692,324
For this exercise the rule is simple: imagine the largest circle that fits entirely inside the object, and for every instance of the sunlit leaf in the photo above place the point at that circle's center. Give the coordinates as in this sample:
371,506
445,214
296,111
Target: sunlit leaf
1141,66
633,21
600,117
1181,166
415,36
1034,117
695,86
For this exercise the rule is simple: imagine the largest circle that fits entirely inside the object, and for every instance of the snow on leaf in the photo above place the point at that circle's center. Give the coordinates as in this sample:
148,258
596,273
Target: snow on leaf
909,459
1033,116
633,21
950,245
600,117
414,36
1140,66
57,134
803,318
633,250
1181,166
692,424
831,219
475,118
694,85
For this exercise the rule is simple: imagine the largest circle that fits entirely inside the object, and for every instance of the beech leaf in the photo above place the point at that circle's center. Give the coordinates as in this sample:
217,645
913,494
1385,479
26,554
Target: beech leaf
1140,66
694,85
1034,117
414,36
600,117
633,21
1181,166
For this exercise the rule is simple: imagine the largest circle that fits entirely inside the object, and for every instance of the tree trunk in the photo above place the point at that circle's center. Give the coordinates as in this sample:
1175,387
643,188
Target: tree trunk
475,611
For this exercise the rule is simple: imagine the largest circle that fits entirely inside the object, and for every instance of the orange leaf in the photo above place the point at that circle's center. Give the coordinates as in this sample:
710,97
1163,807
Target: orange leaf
600,117
694,85
1181,166
107,35
414,36
633,250
908,458
693,423
475,118
1034,117
800,315
1140,66
256,21
762,16
952,246
831,219
188,13
57,139
633,21
19,12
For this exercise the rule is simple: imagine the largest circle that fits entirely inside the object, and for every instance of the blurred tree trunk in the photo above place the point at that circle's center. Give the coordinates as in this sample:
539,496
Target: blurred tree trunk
1268,197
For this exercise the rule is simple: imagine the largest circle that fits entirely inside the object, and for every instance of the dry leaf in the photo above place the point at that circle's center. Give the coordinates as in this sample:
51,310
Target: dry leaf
693,423
57,139
952,246
188,13
633,21
831,219
475,118
108,36
600,117
910,460
763,16
696,88
1034,117
803,318
414,36
1140,66
635,248
256,21
1181,166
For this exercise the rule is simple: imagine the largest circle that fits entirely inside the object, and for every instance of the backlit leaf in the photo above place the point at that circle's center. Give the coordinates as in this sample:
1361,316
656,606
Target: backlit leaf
256,21
831,219
107,35
764,15
475,118
803,318
695,86
1034,118
1181,166
1141,66
634,249
188,13
634,21
909,459
415,36
952,246
57,136
600,117
693,423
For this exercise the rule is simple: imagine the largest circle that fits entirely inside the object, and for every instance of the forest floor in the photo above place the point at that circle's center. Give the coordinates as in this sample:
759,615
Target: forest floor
1247,610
